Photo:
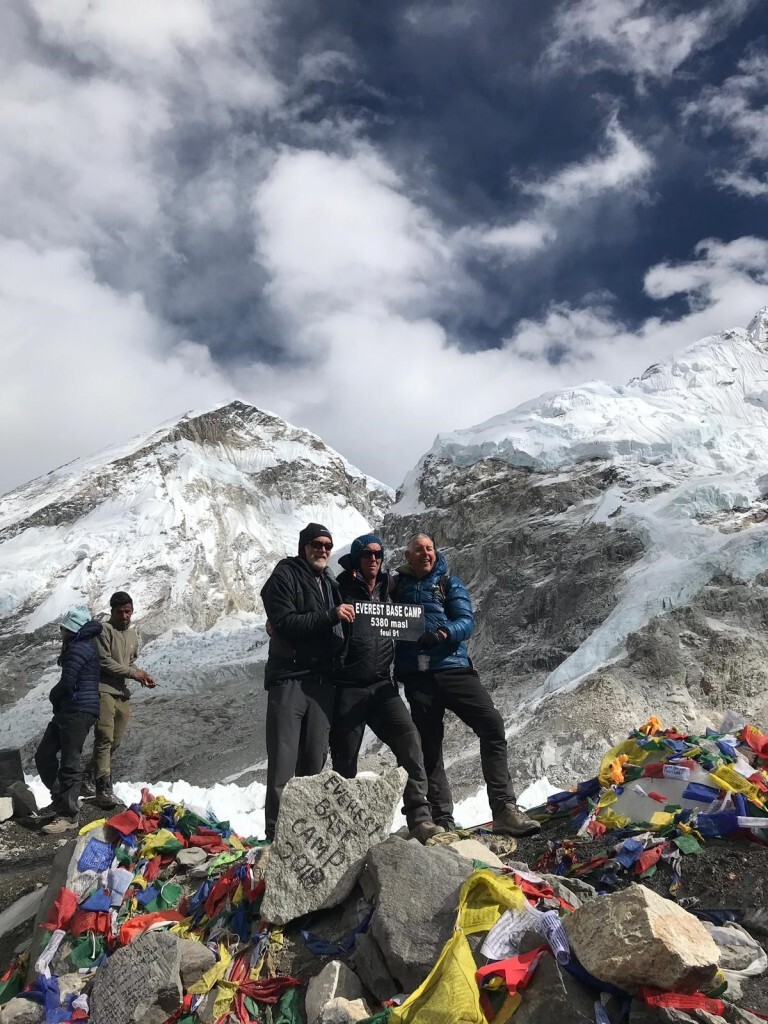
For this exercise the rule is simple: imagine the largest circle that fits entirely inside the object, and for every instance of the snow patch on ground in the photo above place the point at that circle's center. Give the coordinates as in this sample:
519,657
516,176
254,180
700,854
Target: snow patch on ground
243,806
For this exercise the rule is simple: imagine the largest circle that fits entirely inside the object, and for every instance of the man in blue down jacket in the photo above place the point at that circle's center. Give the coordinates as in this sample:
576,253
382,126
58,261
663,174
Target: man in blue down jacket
438,676
305,615
365,693
75,700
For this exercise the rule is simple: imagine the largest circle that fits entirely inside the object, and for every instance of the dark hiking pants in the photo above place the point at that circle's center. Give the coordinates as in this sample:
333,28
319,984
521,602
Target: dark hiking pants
298,724
430,695
379,706
58,757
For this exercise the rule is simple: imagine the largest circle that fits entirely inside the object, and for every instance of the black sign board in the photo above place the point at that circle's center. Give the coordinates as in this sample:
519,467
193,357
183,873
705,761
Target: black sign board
396,621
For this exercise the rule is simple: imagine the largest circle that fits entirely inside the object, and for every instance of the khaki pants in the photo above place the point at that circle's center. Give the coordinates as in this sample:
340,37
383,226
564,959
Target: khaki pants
114,713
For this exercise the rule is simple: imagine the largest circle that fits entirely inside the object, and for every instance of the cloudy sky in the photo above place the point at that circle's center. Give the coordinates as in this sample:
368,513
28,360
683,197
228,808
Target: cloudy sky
378,220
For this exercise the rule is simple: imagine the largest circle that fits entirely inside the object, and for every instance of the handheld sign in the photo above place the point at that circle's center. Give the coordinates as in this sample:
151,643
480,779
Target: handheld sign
394,621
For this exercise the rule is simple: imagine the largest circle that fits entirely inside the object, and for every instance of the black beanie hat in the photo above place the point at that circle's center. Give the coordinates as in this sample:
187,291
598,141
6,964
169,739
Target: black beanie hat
310,531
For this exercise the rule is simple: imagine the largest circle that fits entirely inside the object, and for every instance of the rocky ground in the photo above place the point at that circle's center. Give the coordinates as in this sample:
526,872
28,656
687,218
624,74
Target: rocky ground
728,874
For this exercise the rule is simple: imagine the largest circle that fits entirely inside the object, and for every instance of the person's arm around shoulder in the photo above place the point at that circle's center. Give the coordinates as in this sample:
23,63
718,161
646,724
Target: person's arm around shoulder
457,606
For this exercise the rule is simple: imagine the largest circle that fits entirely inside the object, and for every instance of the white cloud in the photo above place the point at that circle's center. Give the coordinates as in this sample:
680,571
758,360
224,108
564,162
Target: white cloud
641,38
83,366
738,107
619,170
621,164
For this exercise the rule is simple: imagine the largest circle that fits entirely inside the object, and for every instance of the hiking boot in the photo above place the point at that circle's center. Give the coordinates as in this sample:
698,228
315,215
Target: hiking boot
425,830
49,811
61,823
87,785
447,823
511,821
105,798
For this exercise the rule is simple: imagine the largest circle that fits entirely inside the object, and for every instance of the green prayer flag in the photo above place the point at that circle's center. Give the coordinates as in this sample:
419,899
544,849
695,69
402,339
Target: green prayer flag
290,1008
687,844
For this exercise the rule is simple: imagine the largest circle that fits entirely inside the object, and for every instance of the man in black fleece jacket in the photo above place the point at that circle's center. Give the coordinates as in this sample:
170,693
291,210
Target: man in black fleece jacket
305,612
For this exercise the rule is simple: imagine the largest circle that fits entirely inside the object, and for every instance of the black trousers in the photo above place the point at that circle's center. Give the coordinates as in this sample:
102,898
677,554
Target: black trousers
298,725
379,706
430,695
58,757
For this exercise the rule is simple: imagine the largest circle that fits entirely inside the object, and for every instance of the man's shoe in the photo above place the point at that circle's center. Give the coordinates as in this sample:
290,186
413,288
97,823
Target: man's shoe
511,821
447,823
425,830
61,823
87,785
105,798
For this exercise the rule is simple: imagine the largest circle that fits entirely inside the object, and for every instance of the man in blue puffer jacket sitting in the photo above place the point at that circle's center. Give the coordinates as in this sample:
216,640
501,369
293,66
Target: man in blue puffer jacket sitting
438,676
75,700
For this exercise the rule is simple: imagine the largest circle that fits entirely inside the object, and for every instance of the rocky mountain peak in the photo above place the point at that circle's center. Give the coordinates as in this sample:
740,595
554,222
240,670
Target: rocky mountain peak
615,541
189,519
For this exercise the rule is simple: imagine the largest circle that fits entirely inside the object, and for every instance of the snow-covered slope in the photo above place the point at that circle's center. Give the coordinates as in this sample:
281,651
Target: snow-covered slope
581,516
190,520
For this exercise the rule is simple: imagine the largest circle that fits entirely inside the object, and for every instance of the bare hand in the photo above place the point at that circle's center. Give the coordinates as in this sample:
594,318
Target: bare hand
145,679
346,612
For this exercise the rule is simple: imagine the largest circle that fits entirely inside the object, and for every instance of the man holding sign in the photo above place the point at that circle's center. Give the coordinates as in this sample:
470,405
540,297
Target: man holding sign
305,613
365,693
438,676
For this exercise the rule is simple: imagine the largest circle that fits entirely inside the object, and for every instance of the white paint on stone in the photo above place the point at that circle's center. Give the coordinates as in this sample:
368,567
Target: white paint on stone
325,828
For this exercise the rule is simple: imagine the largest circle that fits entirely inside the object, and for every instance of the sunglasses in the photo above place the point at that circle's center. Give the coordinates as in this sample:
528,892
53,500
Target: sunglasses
321,545
368,553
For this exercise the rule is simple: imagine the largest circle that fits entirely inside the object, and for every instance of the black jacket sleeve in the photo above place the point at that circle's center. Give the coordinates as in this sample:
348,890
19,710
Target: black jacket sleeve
283,604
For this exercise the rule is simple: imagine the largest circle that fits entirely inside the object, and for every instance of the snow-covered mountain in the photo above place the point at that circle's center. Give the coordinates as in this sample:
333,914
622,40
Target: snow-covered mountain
190,520
615,540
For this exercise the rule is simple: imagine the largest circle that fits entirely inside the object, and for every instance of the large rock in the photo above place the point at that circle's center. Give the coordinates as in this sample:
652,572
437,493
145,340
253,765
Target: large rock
325,827
194,960
21,1011
335,981
140,983
23,799
473,849
553,995
372,968
191,858
344,1011
10,769
634,938
63,874
416,891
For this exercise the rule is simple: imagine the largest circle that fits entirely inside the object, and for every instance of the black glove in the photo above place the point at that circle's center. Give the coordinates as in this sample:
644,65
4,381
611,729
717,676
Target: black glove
427,641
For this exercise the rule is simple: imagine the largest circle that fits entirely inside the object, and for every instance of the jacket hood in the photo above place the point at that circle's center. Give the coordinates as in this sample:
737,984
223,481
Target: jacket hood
89,630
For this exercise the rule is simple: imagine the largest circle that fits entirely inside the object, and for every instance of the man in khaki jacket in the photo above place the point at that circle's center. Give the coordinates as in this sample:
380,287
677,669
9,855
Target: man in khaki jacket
118,647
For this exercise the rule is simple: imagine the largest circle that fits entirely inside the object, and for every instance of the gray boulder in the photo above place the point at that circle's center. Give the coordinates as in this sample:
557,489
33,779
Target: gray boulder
191,858
140,983
372,968
416,892
335,981
194,960
21,1011
325,828
344,1011
553,995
